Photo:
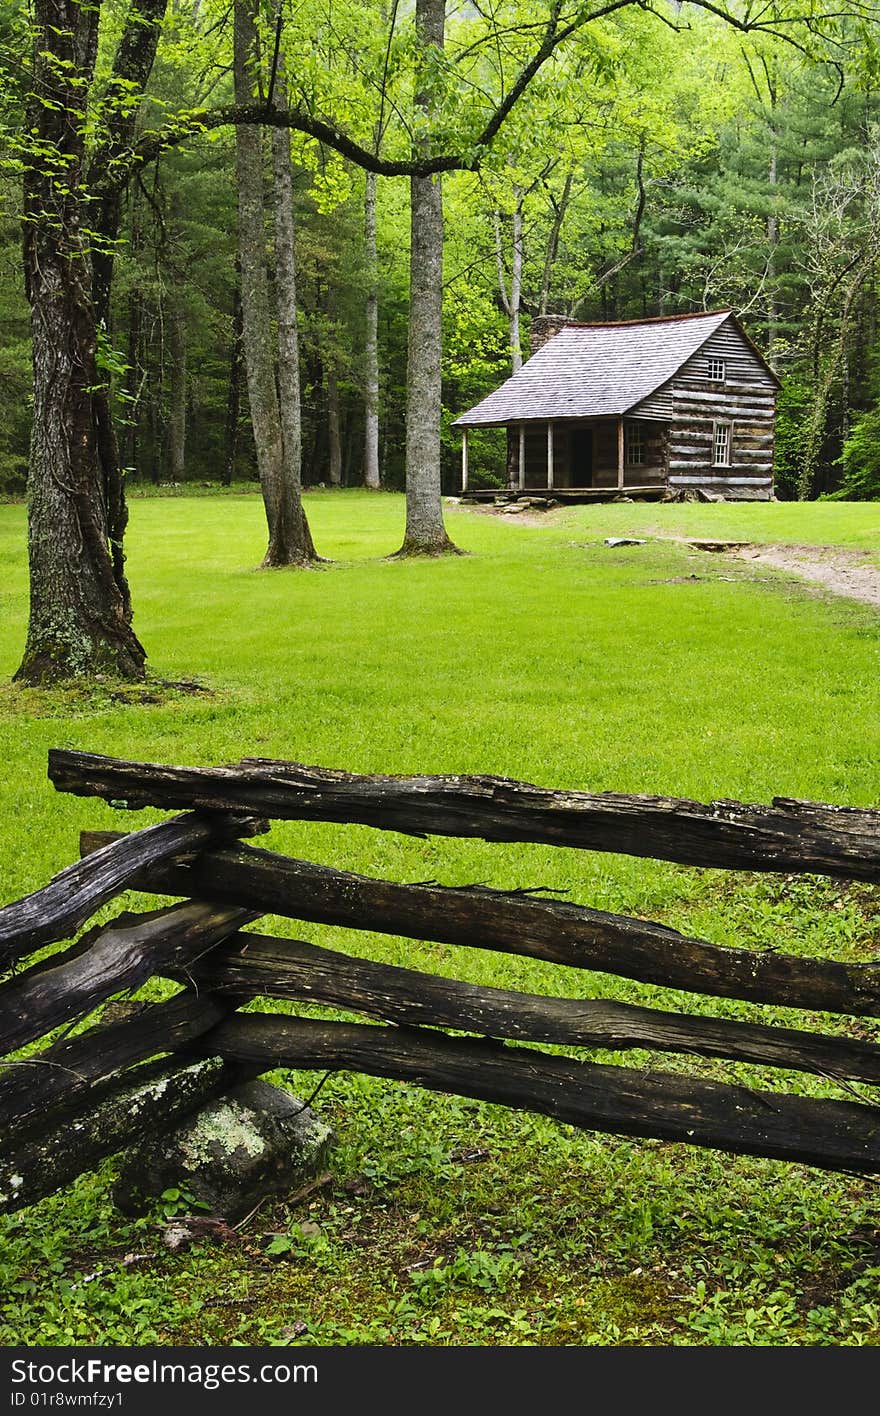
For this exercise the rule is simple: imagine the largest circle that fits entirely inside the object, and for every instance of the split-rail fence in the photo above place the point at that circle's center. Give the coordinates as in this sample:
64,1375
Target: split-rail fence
140,1067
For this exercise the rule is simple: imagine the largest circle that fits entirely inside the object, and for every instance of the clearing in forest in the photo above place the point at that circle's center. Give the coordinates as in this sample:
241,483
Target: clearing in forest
547,656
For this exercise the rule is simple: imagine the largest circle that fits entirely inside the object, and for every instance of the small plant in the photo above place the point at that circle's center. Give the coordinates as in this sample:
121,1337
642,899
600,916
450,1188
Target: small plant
300,1241
481,1269
178,1200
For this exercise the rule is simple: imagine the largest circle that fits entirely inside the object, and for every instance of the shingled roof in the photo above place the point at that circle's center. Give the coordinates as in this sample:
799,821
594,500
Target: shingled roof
596,370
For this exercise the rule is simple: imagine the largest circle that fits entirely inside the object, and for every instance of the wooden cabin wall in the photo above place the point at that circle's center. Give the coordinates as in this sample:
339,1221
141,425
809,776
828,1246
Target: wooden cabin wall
563,475
536,455
746,399
604,456
652,470
513,457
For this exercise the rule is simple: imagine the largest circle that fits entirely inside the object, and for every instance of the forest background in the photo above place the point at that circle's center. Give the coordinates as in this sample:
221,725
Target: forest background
657,164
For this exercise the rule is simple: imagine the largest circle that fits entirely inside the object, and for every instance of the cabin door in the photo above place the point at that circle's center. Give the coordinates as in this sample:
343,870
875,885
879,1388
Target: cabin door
582,455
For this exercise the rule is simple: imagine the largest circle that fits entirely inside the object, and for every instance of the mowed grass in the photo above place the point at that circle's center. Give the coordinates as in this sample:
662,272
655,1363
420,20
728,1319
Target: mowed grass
544,655
849,525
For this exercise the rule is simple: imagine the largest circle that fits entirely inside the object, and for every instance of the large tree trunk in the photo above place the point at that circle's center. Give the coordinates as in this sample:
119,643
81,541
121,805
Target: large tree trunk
425,531
294,543
371,338
289,539
256,315
132,65
80,614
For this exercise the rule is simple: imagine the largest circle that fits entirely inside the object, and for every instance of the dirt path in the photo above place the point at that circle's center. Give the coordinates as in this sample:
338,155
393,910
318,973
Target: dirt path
850,573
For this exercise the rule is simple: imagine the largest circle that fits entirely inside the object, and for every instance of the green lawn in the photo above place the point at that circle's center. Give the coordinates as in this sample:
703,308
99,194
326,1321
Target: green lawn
852,525
544,655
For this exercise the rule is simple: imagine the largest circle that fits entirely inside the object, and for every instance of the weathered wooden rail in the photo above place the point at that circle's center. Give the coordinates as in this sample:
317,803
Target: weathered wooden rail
87,1095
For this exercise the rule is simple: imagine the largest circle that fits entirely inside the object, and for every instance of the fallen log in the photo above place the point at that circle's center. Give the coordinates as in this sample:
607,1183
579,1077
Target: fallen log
480,918
121,956
832,1135
162,1098
257,964
785,836
59,908
76,1071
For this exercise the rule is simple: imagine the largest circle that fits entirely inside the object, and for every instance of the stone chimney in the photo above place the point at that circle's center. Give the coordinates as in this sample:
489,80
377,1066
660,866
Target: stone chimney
543,328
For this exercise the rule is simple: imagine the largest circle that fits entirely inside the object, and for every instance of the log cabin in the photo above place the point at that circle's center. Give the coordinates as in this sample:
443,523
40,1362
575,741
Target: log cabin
673,407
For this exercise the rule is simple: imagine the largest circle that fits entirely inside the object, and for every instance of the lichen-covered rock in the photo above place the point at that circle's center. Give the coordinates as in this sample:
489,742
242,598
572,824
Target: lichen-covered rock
254,1142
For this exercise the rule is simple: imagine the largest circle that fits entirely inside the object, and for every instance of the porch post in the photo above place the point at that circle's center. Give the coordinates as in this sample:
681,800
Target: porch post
549,456
522,455
464,455
620,453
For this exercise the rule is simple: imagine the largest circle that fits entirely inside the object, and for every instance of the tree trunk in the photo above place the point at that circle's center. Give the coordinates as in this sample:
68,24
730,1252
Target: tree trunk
256,315
559,210
288,532
177,411
80,613
516,283
425,532
233,402
131,445
294,541
371,338
133,373
511,299
156,401
331,376
772,244
334,434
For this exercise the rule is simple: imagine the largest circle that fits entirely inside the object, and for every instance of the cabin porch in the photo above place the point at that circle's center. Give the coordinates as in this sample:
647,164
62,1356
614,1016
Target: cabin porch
578,455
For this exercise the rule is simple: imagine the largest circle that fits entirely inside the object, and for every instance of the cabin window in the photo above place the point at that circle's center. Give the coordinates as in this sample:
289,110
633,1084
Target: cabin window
633,445
721,445
717,370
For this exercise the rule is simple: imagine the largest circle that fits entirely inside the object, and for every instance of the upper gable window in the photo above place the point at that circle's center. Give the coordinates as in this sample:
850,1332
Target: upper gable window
717,370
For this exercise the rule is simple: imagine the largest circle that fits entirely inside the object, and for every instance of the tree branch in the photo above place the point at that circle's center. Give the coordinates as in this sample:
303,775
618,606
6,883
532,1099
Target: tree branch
555,34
